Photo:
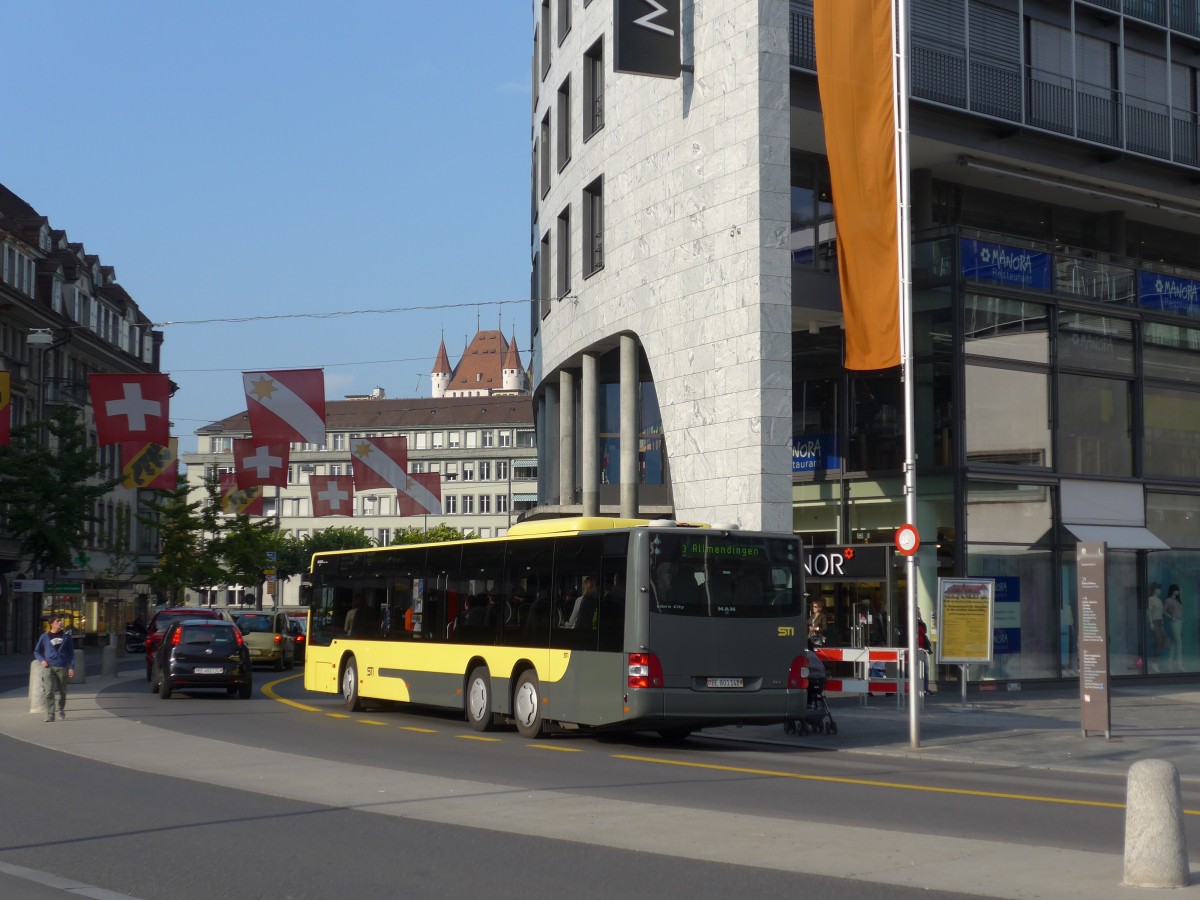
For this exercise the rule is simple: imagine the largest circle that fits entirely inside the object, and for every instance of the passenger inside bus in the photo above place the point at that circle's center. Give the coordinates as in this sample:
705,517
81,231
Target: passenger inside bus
584,613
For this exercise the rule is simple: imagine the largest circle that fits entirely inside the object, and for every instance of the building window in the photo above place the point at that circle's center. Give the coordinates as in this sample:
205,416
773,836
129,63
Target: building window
485,471
485,504
416,467
502,503
451,501
506,439
339,440
221,445
439,438
468,504
422,440
545,287
593,227
456,439
468,472
489,439
546,32
564,19
545,173
593,89
564,124
502,471
564,252
385,537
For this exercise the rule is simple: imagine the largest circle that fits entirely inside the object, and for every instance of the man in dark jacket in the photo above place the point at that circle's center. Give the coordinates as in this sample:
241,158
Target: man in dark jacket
56,652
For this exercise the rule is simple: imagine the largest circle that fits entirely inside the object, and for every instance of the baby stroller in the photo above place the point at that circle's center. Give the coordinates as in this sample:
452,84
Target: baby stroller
817,716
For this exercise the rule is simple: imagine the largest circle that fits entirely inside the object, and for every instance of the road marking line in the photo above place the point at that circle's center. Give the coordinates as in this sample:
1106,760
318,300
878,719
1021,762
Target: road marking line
476,737
418,730
269,691
369,722
832,779
336,715
558,749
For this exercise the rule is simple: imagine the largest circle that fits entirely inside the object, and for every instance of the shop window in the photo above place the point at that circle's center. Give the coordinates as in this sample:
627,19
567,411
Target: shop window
1007,417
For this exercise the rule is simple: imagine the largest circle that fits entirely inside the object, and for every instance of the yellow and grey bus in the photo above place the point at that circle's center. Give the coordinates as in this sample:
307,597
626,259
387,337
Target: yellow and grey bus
594,623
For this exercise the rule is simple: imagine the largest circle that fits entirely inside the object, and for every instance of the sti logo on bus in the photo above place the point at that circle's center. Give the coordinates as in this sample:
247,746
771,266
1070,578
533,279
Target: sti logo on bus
787,631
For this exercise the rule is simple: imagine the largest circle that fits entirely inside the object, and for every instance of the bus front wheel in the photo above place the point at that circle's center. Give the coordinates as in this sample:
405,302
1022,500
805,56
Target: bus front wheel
479,699
350,686
527,706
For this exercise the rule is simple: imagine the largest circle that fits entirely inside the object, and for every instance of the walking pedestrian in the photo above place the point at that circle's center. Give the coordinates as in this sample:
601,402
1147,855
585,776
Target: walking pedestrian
56,652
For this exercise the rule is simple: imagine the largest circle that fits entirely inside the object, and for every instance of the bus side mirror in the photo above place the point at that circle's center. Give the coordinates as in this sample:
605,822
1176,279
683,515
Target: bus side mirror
306,590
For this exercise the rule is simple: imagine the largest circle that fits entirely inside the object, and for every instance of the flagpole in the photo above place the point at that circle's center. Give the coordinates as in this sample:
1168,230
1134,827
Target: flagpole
904,238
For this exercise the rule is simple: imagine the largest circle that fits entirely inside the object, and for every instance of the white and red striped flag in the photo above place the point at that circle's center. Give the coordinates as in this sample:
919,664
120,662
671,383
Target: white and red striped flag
257,463
379,462
421,493
131,408
286,406
332,495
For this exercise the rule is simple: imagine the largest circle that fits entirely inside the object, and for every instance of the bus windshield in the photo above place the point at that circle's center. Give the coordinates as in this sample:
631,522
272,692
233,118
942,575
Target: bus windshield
722,575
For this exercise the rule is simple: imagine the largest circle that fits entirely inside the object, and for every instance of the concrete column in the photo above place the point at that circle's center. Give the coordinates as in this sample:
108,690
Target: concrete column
1155,845
548,439
566,437
589,478
629,427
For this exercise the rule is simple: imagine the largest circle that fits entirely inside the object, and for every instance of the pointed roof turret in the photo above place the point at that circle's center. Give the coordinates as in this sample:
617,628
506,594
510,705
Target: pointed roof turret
441,365
512,359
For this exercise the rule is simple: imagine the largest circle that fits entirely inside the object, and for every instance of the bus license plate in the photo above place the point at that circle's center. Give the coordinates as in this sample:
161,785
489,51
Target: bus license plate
209,670
725,683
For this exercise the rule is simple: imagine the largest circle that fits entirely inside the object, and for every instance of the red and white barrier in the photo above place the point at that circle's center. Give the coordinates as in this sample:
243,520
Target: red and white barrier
864,657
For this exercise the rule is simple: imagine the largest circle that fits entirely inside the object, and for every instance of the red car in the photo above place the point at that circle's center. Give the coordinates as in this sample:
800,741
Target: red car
162,621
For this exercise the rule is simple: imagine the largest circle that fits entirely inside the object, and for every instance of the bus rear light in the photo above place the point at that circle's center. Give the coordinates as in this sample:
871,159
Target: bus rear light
798,673
645,671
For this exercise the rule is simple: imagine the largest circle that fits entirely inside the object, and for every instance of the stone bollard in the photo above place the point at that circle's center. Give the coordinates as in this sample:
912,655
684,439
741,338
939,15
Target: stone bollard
108,662
37,700
1155,847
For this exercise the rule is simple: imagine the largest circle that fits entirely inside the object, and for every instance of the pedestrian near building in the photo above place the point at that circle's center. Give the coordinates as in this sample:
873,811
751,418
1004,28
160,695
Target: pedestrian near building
56,652
1173,627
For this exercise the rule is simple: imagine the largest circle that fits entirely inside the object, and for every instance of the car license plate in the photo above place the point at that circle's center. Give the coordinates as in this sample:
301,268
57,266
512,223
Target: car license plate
725,683
209,670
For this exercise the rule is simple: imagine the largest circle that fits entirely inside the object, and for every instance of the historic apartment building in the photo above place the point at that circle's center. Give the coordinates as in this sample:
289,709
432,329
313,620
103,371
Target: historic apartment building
479,437
688,327
63,316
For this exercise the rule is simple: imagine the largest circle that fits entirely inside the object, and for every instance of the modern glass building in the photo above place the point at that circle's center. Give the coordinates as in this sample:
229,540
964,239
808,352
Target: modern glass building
686,292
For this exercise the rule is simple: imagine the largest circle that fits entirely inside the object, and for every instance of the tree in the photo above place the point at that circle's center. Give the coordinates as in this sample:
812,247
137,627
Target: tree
186,531
48,490
435,535
120,552
243,548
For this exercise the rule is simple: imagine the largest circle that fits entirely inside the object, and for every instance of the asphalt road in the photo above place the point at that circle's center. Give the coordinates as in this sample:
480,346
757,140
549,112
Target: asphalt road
390,802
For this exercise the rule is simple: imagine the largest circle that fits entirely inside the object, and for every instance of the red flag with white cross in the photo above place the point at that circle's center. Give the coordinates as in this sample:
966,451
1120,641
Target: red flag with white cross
332,495
131,408
256,463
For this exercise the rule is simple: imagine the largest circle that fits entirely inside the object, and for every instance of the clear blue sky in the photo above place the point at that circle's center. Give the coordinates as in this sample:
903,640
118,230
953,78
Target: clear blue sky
235,159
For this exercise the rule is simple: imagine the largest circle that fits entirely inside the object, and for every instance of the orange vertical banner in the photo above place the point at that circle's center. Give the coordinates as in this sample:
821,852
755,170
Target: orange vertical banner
855,78
5,408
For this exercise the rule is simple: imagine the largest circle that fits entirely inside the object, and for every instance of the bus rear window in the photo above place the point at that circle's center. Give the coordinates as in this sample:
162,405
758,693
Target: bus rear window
725,576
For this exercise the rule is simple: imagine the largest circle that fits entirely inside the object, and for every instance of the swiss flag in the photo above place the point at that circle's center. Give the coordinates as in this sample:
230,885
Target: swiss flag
379,462
131,408
5,407
332,495
243,503
150,466
421,493
256,463
286,406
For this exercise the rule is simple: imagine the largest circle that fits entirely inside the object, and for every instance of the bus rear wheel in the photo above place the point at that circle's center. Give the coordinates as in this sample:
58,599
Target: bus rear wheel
350,696
479,699
527,706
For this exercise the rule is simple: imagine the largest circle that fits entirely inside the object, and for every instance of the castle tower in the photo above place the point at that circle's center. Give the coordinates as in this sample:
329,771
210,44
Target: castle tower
439,378
512,374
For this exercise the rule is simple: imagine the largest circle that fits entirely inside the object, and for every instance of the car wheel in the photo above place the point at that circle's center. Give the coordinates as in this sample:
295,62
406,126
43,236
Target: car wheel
479,699
164,686
153,679
245,690
279,662
527,706
149,672
291,661
350,686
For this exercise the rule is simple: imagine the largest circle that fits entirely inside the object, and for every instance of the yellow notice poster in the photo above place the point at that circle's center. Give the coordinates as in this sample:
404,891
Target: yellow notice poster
965,619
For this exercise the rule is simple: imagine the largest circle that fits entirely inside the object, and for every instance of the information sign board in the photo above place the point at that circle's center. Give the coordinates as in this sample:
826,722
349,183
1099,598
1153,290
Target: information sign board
965,614
1092,586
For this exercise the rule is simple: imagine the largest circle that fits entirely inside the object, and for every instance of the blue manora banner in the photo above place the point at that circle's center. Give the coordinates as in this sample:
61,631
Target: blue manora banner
1170,293
815,453
1015,267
